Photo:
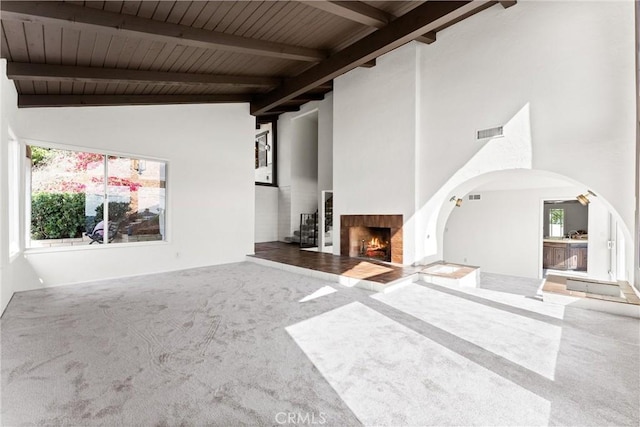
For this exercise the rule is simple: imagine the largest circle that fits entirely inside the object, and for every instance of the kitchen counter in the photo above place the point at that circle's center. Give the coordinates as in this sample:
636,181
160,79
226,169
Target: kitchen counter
565,241
565,254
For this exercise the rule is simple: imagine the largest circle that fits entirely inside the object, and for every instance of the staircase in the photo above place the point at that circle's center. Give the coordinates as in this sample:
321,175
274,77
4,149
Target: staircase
308,232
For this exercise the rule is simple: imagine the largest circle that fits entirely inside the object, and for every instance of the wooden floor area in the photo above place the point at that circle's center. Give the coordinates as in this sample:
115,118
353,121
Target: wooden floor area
291,254
558,285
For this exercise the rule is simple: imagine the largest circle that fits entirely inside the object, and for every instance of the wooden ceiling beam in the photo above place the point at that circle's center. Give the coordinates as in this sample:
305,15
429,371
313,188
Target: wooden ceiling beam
362,13
284,109
508,4
424,18
79,17
355,11
66,73
303,99
27,101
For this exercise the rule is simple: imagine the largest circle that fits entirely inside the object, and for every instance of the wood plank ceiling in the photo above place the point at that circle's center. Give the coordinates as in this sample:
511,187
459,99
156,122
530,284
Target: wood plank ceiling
277,55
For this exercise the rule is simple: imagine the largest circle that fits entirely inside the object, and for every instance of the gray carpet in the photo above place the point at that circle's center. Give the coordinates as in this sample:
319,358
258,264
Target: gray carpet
232,345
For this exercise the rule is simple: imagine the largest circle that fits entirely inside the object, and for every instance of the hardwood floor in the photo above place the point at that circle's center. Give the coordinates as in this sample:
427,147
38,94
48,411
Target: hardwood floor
291,254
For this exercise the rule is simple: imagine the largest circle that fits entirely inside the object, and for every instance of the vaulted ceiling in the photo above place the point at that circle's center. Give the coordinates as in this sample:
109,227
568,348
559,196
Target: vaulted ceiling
277,55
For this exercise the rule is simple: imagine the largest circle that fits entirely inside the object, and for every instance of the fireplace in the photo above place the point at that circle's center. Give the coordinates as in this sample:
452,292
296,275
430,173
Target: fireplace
370,242
376,237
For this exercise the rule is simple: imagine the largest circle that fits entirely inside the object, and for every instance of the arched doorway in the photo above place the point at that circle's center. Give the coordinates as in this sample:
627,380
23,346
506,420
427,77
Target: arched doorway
501,226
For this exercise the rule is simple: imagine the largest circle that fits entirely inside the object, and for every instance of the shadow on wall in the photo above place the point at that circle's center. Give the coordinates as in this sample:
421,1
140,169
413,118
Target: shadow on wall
513,150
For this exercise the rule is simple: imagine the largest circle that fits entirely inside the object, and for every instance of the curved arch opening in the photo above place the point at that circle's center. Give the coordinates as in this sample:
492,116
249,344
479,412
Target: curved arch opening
503,227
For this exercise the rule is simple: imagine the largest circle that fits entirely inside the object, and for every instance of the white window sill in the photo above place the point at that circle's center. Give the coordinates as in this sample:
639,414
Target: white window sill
95,246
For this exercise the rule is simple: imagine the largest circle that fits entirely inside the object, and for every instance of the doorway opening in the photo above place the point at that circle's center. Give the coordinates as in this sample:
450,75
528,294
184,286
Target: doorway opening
565,244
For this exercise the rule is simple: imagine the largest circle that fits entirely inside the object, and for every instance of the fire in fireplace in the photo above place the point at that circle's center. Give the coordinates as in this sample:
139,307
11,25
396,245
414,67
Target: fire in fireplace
370,242
356,228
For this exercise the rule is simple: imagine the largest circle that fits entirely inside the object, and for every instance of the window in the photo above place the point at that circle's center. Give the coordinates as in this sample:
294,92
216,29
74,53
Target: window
265,154
74,194
14,194
556,222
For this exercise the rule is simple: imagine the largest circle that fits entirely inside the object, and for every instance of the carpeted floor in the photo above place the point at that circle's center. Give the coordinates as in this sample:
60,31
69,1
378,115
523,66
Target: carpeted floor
244,344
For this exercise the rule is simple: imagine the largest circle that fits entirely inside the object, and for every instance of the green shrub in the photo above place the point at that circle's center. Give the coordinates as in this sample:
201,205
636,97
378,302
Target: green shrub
57,215
117,211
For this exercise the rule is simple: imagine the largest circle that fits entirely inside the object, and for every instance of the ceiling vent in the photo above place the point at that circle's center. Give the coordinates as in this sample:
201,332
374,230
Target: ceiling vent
490,133
474,197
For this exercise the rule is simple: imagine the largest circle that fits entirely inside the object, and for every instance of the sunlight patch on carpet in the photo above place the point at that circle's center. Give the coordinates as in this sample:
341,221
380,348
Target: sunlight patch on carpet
389,374
531,343
325,290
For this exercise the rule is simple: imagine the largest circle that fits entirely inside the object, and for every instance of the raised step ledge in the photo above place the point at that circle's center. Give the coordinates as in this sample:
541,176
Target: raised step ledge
450,274
341,279
627,303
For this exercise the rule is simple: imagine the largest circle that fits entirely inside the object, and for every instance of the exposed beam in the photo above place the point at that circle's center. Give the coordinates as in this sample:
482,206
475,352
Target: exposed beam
303,99
66,73
328,86
25,101
422,19
354,11
266,118
285,109
427,38
508,4
362,13
79,17
369,64
464,16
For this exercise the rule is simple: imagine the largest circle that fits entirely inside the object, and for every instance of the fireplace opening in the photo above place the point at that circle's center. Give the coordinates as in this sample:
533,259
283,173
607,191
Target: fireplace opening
370,242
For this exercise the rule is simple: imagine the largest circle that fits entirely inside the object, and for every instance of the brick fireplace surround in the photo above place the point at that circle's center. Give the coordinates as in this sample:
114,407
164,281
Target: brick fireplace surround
394,222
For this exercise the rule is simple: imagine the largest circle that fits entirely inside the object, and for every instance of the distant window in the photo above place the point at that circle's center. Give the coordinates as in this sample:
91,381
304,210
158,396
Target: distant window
556,222
265,154
82,198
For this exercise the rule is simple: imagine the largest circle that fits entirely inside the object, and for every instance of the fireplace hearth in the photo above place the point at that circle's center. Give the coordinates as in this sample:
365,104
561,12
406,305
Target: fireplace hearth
375,237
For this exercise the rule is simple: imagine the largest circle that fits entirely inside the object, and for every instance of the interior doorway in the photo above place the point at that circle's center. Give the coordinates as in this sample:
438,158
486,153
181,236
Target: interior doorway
565,237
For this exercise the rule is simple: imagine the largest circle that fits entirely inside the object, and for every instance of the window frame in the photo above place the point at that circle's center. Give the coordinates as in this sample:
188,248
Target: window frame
551,223
274,149
26,192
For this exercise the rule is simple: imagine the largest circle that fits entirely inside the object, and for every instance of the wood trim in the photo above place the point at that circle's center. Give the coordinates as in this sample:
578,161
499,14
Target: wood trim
78,17
65,73
27,101
420,20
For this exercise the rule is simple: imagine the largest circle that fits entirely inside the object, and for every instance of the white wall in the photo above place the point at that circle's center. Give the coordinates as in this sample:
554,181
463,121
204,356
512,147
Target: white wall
374,136
564,92
636,235
210,214
304,161
8,110
266,218
304,168
325,149
325,144
502,232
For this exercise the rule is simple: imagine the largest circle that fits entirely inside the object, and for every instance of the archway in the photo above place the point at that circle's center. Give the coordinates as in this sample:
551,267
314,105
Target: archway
502,230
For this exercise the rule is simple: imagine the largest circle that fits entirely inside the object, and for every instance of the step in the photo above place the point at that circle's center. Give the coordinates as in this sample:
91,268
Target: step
449,274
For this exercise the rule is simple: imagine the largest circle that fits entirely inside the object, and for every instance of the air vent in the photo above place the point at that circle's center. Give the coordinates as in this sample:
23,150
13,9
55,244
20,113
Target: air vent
474,197
490,133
